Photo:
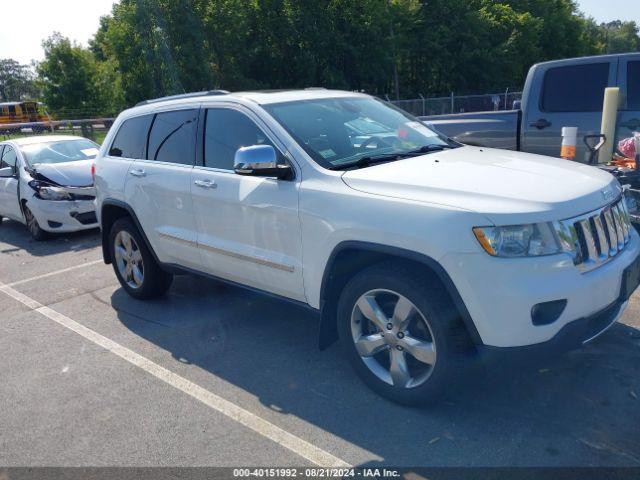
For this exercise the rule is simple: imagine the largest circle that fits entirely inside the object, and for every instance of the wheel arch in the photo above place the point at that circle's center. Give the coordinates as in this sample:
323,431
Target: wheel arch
111,211
350,257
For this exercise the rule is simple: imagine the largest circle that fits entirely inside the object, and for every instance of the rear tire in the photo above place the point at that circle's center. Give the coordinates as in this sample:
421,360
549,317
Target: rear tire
414,350
134,264
37,233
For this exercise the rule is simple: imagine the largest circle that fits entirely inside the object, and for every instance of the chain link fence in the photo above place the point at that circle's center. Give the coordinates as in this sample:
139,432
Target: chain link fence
95,129
459,103
88,124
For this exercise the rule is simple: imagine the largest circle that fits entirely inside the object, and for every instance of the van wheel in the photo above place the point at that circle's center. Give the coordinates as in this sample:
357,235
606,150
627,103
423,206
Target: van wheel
134,265
37,233
401,333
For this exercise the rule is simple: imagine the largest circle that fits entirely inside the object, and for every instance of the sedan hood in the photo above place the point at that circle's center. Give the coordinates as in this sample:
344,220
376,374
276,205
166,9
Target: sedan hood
506,187
68,174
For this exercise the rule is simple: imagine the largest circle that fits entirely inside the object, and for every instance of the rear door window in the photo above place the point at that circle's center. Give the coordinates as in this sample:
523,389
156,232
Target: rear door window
575,88
633,86
131,139
173,137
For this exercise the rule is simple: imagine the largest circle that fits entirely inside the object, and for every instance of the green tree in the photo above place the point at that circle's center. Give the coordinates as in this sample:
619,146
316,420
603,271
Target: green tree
69,78
17,82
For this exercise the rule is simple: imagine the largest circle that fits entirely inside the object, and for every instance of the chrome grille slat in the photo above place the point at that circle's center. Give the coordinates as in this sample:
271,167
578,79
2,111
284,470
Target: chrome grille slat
613,236
603,242
599,236
618,222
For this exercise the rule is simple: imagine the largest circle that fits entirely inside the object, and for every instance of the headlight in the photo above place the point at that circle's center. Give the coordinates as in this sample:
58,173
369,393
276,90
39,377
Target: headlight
519,240
49,192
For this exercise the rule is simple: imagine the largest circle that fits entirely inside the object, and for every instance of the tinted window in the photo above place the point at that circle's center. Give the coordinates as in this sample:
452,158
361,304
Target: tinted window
633,85
225,132
173,136
131,138
577,88
9,158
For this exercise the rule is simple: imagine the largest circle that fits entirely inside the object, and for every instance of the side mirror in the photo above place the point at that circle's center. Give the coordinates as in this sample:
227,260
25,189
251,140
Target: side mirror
7,172
260,161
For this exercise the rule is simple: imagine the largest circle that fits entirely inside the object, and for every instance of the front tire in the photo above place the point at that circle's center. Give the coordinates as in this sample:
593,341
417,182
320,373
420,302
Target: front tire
37,233
401,333
134,265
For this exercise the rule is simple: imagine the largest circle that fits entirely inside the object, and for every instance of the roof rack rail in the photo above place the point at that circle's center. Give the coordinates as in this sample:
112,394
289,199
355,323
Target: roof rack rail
315,88
183,95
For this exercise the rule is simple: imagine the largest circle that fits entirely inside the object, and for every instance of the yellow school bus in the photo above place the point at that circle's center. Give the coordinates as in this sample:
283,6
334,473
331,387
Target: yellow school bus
22,112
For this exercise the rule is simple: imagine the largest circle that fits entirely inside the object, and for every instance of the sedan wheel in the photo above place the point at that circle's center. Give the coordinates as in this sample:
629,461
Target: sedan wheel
393,338
129,260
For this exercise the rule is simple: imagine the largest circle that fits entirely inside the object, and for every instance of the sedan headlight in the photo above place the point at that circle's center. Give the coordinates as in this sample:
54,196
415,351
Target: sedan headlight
519,240
49,192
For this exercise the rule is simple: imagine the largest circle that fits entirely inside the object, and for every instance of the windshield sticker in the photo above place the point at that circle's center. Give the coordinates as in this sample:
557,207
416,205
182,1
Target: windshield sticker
420,128
328,153
90,152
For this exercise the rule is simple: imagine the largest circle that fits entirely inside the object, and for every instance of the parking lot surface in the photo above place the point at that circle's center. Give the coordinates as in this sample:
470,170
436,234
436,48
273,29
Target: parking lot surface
212,375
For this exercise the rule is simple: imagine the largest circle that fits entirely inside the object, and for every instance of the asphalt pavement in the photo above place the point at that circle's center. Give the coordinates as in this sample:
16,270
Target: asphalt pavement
212,375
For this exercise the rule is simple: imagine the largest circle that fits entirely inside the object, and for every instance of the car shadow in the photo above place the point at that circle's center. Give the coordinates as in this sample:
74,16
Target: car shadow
15,237
580,409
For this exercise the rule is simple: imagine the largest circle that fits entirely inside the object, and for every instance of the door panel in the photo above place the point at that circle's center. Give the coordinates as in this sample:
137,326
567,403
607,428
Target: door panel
249,231
9,201
159,187
248,227
629,79
566,96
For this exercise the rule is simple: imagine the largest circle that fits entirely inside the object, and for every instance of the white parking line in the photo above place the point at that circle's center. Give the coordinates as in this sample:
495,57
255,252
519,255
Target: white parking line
265,428
51,274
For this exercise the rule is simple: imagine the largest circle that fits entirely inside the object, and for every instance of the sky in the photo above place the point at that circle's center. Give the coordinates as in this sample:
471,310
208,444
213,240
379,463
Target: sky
34,20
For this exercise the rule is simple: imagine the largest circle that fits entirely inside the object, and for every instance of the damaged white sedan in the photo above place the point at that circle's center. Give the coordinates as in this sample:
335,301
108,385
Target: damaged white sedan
46,183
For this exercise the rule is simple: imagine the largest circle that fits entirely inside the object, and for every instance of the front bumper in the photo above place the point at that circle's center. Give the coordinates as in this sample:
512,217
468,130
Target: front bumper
64,216
499,294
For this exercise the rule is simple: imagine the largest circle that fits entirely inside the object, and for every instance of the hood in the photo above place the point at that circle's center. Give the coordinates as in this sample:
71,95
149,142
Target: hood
506,187
68,174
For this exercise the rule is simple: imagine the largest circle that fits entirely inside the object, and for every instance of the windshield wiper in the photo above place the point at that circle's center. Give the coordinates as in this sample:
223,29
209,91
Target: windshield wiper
389,157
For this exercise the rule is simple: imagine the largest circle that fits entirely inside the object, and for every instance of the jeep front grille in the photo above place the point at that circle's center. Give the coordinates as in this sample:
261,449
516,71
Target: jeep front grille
596,237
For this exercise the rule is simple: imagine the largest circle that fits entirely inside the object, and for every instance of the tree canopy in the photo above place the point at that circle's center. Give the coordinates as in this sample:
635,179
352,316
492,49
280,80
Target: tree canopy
151,48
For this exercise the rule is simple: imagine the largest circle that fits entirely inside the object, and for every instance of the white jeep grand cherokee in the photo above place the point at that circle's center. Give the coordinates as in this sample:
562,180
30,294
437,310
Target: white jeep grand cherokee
413,249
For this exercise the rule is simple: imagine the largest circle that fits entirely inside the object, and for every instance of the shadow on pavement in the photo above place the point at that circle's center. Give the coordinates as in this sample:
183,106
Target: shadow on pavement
581,409
17,237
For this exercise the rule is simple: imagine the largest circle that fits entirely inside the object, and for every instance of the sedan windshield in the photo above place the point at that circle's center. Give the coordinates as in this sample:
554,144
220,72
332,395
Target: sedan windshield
339,133
60,151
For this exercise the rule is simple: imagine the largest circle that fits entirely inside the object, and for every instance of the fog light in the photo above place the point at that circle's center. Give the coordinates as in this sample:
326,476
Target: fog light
547,312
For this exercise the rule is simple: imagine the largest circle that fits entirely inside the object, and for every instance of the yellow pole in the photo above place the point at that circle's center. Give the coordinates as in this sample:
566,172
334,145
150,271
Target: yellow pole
608,127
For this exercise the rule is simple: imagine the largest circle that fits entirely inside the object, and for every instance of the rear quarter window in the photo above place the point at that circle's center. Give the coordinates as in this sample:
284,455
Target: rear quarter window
131,139
575,88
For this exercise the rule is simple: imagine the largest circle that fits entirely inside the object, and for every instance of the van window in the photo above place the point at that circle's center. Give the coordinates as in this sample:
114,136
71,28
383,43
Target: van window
173,136
131,139
575,88
633,86
226,131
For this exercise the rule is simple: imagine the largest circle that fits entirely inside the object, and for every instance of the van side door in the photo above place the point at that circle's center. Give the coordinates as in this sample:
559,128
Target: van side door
566,95
629,81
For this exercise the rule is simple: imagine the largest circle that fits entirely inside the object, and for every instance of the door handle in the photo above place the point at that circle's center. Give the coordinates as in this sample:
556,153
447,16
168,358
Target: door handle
205,184
633,124
138,173
541,124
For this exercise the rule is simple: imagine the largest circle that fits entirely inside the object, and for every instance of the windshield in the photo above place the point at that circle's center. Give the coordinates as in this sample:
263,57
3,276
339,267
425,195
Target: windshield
60,151
338,132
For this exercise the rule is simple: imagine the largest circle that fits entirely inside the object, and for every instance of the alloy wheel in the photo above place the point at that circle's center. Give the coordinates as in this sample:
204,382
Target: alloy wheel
129,260
393,338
